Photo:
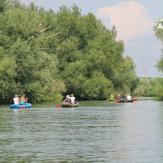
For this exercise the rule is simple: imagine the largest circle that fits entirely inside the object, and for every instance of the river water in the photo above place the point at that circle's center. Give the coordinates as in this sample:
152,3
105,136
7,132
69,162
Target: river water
101,132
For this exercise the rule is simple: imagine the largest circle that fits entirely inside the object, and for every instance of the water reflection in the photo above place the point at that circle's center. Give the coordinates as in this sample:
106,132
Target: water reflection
111,133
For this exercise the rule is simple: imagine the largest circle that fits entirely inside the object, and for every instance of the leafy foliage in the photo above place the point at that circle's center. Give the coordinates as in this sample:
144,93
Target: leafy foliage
150,87
46,55
158,29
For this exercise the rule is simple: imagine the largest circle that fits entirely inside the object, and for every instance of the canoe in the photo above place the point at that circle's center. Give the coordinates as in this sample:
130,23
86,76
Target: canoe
21,106
76,104
124,101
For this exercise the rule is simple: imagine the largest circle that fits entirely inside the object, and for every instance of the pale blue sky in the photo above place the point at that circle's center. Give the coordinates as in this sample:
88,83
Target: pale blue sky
135,28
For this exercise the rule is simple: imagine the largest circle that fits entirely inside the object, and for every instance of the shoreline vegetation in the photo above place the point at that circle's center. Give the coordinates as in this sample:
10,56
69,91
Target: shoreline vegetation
51,54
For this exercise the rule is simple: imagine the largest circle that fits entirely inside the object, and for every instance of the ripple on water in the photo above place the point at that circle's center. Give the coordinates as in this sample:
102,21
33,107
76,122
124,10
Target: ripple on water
113,133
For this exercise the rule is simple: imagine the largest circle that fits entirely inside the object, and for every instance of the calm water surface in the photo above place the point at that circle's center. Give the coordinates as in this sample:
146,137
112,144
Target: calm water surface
118,133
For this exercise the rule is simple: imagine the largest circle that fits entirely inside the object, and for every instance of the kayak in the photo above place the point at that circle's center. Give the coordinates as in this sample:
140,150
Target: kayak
21,106
64,104
124,101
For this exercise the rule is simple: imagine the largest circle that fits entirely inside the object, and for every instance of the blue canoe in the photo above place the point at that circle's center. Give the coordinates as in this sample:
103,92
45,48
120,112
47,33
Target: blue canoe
21,106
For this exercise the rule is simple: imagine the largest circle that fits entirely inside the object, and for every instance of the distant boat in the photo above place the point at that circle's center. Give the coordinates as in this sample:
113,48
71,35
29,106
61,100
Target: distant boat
68,105
21,106
125,100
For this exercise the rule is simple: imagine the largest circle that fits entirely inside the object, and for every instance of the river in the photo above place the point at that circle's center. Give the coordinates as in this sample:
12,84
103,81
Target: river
93,132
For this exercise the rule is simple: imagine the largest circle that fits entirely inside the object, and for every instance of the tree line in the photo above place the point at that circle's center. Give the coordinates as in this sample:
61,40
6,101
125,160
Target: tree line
47,54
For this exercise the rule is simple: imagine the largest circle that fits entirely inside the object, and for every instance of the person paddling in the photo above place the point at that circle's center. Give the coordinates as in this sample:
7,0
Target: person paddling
72,99
67,99
128,97
22,99
16,100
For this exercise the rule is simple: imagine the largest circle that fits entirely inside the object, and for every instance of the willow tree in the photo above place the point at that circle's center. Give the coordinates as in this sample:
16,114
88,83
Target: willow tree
43,51
91,60
26,66
158,29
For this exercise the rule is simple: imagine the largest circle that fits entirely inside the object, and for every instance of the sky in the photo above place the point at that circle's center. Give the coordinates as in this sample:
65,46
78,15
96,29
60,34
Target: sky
134,21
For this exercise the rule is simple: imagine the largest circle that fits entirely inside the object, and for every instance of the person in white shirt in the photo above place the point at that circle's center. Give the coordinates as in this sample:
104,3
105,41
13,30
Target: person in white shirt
129,97
16,100
72,99
67,99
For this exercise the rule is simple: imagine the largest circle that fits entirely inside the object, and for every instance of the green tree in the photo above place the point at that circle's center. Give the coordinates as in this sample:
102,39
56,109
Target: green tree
158,29
31,68
46,55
